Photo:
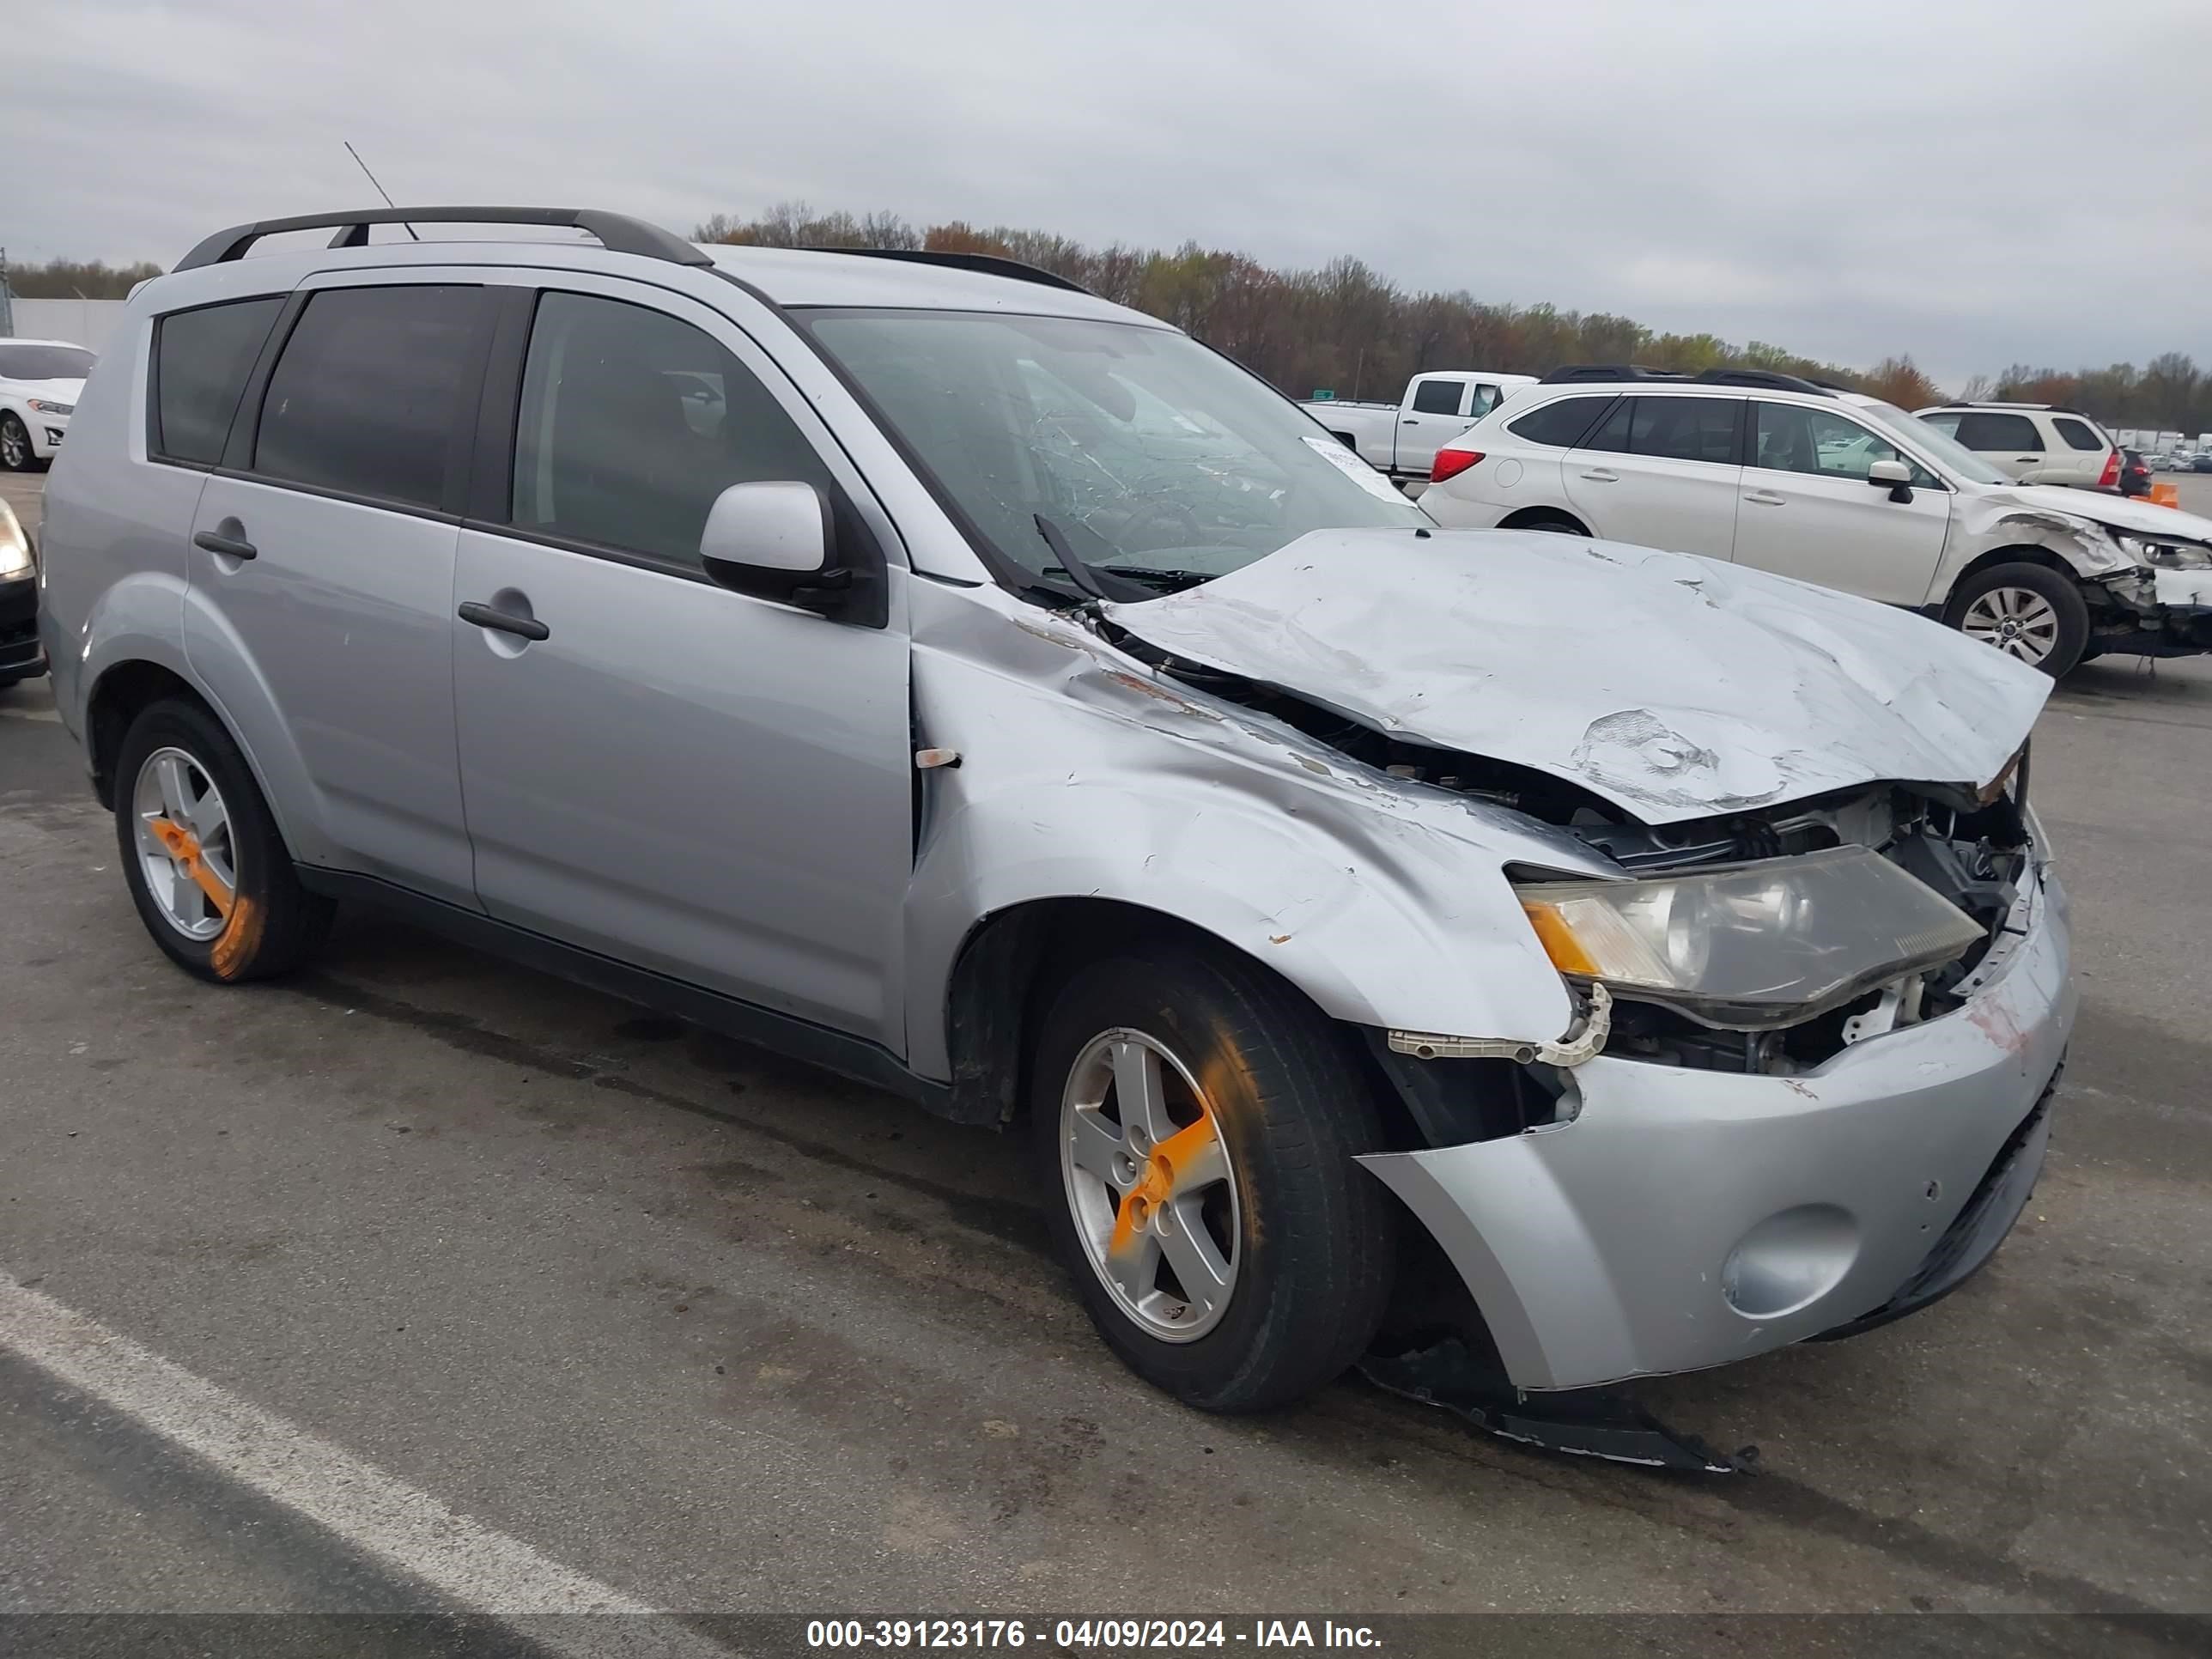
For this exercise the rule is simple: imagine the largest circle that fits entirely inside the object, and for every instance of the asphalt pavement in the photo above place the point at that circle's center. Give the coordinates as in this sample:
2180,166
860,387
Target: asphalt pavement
511,1293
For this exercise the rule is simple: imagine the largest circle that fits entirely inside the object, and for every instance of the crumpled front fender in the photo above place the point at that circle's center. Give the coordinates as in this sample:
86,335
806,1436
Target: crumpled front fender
1082,775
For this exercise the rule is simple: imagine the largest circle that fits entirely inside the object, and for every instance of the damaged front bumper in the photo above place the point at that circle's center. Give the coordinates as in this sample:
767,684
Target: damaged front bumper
1687,1218
2166,614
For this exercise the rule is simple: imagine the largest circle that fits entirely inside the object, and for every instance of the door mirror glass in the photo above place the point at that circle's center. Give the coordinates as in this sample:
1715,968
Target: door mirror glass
778,529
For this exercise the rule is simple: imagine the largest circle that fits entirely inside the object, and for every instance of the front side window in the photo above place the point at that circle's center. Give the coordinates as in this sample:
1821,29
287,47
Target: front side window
368,396
1788,438
1438,396
2078,434
632,422
1563,424
201,362
1150,455
1685,428
1990,431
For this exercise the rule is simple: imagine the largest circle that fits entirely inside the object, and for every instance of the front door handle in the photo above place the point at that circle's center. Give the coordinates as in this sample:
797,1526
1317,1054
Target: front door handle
1407,420
484,617
1766,498
231,547
1602,475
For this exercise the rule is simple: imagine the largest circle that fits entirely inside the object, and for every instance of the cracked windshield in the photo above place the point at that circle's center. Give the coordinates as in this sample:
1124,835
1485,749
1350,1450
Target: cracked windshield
1147,455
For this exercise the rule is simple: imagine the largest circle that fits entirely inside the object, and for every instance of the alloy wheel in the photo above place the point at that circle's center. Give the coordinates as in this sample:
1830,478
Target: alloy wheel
1148,1180
2018,620
184,843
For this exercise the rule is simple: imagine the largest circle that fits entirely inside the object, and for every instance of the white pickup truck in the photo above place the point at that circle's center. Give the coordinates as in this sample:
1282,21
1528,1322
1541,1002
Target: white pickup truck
1401,438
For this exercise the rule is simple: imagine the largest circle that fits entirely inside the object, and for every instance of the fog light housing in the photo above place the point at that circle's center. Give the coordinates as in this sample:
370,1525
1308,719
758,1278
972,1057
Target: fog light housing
1789,1260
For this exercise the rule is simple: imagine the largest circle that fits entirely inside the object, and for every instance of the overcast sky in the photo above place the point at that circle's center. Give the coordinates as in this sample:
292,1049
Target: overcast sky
1976,183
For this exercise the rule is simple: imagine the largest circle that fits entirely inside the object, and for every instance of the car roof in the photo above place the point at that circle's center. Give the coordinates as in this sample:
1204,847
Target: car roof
24,339
861,277
840,278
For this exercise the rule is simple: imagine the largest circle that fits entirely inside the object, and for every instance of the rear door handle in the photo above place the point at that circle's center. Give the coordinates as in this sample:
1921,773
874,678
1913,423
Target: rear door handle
1766,498
231,547
1602,475
484,617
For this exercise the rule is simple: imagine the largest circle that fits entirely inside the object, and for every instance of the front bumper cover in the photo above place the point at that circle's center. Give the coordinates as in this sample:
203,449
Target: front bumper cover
21,657
1686,1219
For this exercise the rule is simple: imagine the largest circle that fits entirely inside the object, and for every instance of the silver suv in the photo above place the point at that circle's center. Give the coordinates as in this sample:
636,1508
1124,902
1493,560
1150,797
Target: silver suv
924,667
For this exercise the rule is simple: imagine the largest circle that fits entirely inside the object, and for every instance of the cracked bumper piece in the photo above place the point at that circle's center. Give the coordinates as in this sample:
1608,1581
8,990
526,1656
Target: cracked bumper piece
1685,1218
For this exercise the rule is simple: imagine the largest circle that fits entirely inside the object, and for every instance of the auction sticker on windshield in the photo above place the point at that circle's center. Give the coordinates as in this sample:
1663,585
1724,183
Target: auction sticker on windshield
1355,468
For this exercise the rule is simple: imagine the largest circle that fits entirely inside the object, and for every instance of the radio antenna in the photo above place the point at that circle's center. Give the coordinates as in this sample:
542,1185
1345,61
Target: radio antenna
371,177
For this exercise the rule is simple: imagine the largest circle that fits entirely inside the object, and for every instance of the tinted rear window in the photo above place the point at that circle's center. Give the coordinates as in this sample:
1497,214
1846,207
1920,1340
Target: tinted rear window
1438,396
1986,429
1685,428
201,359
1563,423
367,394
2078,433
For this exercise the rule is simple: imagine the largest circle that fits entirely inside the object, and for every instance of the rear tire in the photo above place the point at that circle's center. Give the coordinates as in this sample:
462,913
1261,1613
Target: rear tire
210,875
1302,1239
1556,523
2029,612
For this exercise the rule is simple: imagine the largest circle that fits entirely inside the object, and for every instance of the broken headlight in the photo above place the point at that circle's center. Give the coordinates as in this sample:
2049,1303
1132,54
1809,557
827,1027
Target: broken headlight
1751,946
2174,555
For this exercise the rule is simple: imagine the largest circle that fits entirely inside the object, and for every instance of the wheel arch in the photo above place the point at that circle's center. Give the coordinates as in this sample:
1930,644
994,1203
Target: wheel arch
2013,553
1528,518
122,692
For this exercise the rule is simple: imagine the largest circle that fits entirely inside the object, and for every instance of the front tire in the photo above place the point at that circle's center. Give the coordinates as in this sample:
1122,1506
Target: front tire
2029,612
1195,1126
210,875
15,454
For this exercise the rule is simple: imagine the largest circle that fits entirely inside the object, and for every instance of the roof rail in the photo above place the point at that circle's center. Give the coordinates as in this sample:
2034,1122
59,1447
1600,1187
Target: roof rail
617,232
988,264
1566,372
1770,379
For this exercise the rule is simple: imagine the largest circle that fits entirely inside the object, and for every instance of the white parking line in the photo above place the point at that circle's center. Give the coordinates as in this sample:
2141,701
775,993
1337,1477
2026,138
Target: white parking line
480,1569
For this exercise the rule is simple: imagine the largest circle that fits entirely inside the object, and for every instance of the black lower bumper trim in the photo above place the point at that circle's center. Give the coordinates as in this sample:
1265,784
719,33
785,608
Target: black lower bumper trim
1974,1234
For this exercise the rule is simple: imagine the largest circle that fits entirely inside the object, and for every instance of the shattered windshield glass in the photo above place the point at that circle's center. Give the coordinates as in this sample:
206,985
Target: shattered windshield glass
1156,459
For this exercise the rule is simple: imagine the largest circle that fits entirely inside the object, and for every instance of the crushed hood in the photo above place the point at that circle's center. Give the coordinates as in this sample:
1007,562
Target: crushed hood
1675,687
2133,516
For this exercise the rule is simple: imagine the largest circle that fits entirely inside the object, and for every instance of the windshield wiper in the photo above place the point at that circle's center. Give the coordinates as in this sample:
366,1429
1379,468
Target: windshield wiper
1173,581
1098,584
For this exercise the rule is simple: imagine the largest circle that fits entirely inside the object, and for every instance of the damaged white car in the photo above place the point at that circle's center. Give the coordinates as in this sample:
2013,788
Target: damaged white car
1606,961
1778,473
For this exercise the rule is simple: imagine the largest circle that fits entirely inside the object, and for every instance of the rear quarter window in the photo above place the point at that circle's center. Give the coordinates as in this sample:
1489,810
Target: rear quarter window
2079,434
201,362
1562,424
1990,431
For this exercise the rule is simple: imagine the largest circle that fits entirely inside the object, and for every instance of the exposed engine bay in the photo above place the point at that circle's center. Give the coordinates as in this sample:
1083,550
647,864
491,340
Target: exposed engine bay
1971,852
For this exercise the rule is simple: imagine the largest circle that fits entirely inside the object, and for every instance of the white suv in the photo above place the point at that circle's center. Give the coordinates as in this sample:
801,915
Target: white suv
2032,443
1831,487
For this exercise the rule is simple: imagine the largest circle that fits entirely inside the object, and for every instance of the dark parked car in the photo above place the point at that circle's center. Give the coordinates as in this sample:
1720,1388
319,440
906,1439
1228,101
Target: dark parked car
2135,473
2202,463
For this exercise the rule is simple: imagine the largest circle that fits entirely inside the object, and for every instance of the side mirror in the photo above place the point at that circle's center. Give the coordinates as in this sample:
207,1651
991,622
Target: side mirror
1894,476
766,530
775,541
